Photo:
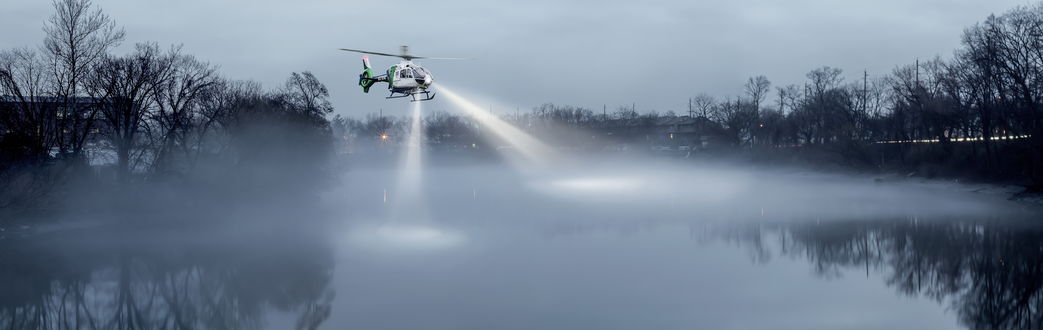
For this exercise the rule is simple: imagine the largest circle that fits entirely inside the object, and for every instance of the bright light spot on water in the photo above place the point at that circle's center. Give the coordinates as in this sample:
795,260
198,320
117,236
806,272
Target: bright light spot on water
706,186
533,151
599,184
406,237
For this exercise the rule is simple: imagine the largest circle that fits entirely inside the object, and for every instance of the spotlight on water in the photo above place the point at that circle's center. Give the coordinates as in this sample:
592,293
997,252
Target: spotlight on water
412,149
391,237
605,185
531,150
408,195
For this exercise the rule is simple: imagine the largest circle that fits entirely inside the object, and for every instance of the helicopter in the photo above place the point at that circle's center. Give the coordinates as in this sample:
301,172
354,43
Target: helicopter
406,79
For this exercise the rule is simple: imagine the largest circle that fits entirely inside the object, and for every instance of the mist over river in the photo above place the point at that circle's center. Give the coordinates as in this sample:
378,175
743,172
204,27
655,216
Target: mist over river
607,244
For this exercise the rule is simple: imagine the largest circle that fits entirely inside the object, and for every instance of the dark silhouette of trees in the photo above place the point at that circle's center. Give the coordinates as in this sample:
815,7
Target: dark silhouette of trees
24,84
179,118
148,115
448,131
126,89
306,93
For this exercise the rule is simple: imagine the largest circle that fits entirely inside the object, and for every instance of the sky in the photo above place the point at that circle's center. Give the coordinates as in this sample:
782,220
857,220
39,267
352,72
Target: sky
653,54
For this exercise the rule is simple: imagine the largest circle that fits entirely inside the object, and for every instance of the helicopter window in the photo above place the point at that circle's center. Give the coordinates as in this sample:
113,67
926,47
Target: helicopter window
419,73
407,73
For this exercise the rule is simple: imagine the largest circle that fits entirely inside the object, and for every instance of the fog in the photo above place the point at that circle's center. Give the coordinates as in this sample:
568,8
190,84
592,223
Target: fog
515,230
623,243
158,193
607,242
515,234
620,189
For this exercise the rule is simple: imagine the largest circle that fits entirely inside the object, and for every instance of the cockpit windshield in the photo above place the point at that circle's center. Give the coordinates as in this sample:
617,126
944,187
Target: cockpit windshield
419,73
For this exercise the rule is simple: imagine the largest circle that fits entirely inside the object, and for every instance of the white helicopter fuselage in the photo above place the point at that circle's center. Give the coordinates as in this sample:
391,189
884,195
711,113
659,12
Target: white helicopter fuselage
408,77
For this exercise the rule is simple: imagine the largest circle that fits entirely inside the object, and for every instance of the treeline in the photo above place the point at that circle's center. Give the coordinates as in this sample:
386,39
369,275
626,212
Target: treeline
980,108
148,115
990,88
977,112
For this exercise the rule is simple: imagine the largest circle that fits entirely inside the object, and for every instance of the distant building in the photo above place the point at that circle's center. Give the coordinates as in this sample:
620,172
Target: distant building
50,115
679,133
14,106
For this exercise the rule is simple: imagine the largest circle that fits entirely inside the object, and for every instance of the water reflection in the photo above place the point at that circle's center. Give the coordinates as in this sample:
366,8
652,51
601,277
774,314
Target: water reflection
164,279
990,272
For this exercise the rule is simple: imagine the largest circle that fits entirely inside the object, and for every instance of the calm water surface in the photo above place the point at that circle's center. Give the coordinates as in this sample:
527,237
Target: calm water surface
599,246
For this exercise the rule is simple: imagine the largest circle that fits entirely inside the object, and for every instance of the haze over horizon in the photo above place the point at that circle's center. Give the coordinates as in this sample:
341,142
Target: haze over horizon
528,53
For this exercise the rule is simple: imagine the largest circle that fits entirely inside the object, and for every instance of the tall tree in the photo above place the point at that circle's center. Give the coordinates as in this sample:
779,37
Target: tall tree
757,89
23,82
308,94
76,37
125,86
704,103
178,105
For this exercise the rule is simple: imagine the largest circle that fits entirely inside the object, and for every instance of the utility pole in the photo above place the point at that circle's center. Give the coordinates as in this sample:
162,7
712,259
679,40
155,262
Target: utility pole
918,72
691,110
865,91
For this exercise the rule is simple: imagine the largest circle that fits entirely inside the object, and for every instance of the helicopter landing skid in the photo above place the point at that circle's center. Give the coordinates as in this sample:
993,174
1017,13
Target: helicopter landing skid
426,96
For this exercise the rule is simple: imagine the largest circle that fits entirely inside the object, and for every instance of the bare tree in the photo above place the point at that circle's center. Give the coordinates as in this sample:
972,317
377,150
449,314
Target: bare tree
25,133
23,81
306,92
788,97
126,88
626,113
77,37
824,79
757,89
704,103
178,108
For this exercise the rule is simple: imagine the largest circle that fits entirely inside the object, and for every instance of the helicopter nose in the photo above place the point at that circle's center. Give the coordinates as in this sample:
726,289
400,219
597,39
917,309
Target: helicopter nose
427,80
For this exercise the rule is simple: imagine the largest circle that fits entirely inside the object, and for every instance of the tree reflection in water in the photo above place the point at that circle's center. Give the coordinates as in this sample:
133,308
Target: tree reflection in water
172,279
989,271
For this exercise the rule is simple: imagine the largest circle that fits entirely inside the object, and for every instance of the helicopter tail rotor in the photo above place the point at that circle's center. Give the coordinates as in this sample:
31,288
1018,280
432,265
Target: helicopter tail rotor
366,78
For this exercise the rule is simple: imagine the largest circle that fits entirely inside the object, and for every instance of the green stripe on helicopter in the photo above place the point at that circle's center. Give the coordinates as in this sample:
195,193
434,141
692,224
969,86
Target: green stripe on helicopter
391,75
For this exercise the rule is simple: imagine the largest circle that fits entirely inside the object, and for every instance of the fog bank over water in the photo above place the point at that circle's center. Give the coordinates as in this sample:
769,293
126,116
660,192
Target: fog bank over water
621,244
603,243
614,189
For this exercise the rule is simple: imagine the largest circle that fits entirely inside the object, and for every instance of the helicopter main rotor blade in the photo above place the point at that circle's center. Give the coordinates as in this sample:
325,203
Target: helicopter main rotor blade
404,56
369,52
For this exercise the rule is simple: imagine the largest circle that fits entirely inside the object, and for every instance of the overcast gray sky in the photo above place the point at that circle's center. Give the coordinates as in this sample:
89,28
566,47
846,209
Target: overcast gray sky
585,53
